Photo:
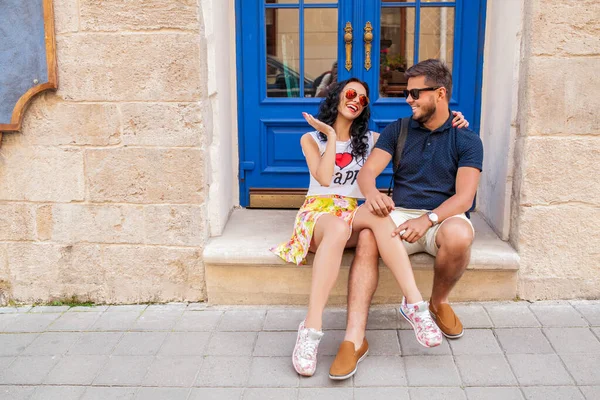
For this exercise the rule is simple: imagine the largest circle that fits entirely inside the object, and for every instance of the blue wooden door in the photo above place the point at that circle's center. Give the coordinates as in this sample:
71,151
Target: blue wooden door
287,50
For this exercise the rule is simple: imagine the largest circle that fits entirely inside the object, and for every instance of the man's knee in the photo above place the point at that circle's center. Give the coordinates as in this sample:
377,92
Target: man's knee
367,245
455,235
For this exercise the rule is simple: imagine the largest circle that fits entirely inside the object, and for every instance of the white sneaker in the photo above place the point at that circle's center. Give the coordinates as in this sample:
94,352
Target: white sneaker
305,351
427,332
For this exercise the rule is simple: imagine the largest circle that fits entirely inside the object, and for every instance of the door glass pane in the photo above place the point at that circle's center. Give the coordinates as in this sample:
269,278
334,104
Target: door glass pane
396,49
319,1
320,50
282,1
436,39
283,54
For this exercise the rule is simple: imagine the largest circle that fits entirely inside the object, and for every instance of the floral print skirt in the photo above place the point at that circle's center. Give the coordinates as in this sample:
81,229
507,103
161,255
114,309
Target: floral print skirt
296,248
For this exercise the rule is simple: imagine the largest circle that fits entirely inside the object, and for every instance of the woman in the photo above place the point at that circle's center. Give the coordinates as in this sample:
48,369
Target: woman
330,219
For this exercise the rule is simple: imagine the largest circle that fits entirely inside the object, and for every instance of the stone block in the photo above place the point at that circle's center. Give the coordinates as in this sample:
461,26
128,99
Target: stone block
140,343
66,16
76,370
225,372
160,393
38,174
216,393
17,222
325,394
283,319
123,371
52,344
270,394
381,371
103,393
272,372
494,393
96,343
58,393
22,373
185,344
231,344
573,341
558,315
162,124
511,315
74,322
198,321
381,393
130,67
485,370
565,28
560,170
552,392
523,341
157,320
175,225
242,320
145,175
539,369
447,393
476,342
52,122
173,371
555,87
142,273
14,344
271,344
128,15
431,371
383,343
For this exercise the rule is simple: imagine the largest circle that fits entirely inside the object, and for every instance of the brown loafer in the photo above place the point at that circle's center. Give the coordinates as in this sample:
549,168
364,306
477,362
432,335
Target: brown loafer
346,361
447,321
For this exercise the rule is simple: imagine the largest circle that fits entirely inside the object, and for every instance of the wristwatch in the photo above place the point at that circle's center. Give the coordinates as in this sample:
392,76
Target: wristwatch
433,217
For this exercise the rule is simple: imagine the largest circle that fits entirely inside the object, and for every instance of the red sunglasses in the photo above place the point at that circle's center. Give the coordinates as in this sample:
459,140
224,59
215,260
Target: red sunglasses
362,99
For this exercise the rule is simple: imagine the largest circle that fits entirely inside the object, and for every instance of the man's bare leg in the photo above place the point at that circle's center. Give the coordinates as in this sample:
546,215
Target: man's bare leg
362,282
454,240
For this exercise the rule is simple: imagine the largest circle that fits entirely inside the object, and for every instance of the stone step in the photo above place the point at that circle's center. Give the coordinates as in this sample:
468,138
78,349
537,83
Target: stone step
240,269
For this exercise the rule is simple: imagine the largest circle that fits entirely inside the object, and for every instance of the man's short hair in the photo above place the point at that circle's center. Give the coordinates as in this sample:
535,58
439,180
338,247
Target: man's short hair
436,73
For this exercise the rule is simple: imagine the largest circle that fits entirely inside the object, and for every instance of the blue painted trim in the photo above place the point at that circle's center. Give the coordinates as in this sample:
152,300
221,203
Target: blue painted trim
314,5
479,71
457,61
301,49
433,4
417,31
240,100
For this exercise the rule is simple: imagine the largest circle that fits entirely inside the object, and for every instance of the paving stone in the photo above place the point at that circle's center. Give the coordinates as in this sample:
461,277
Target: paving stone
272,372
198,321
58,393
596,332
12,344
28,370
275,344
156,393
16,392
380,371
88,309
431,371
76,370
472,316
29,322
140,343
552,392
396,393
7,319
583,367
127,308
411,347
325,394
216,393
591,392
168,307
283,319
109,393
231,343
5,362
573,340
523,341
270,394
476,341
173,371
539,369
321,376
511,315
242,320
52,343
124,371
18,309
493,393
197,306
74,321
383,318
334,319
115,321
591,312
224,372
49,309
185,344
156,320
331,342
96,343
562,315
383,343
445,393
485,370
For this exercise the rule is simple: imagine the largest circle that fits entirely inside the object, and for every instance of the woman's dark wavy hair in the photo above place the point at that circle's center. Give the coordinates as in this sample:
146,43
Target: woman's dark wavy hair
328,111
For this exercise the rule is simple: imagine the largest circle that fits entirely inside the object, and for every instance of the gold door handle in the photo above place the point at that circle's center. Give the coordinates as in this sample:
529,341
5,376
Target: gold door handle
348,40
368,38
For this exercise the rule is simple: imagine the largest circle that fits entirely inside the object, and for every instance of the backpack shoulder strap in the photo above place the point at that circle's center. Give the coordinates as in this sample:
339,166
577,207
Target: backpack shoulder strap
402,135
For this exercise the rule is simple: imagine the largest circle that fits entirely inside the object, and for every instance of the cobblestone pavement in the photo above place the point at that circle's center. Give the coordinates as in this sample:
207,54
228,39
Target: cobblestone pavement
510,350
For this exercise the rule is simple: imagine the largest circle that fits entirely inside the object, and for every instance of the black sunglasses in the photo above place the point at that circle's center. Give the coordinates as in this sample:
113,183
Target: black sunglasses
415,93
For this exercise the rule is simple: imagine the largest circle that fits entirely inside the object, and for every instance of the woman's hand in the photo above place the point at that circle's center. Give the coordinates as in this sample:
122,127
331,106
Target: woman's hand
459,120
319,125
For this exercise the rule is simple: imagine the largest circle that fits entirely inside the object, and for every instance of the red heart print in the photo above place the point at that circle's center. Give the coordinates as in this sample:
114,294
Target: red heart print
343,159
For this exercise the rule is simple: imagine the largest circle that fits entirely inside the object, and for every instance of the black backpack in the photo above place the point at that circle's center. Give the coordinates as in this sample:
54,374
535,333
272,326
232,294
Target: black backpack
399,149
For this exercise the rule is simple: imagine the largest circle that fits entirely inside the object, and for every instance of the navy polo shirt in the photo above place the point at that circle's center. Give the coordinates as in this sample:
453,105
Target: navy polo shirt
430,161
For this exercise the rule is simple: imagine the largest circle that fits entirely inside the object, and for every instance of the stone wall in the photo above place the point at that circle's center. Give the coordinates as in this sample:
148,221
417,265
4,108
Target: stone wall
103,193
556,189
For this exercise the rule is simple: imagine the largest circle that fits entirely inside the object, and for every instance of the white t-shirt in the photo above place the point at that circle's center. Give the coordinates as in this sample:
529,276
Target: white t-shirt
345,171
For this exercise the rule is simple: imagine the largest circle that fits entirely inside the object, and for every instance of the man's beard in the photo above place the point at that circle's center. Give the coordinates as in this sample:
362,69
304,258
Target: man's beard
427,112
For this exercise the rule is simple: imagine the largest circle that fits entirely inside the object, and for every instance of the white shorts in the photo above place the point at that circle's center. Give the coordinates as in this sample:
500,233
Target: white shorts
427,243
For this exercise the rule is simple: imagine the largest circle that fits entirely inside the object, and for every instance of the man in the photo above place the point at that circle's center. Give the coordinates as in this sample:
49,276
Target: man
434,188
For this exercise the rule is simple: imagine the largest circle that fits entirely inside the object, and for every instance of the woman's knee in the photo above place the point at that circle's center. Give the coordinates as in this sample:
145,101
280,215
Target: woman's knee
337,230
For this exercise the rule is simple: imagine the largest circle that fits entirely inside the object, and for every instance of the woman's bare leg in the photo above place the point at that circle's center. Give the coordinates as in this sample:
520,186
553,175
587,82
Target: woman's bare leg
329,237
391,249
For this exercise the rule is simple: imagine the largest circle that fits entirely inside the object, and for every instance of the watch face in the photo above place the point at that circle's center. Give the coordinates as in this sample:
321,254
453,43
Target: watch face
433,217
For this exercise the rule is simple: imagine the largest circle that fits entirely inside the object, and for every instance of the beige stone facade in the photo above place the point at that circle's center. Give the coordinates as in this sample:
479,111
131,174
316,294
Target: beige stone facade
116,182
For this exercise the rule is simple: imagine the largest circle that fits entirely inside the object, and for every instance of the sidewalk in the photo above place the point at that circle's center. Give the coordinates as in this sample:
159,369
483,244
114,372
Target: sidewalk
545,350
